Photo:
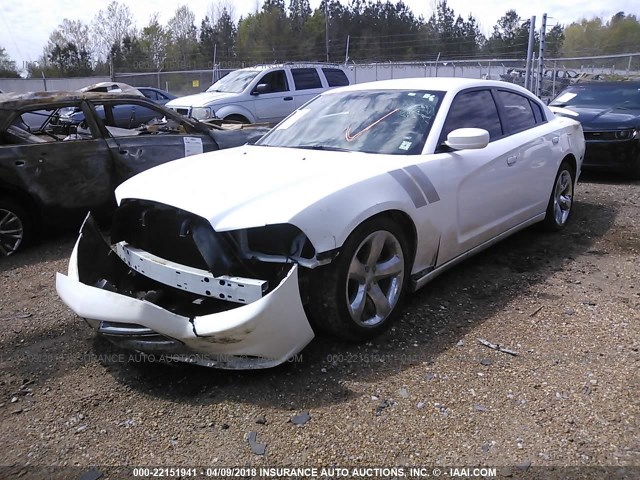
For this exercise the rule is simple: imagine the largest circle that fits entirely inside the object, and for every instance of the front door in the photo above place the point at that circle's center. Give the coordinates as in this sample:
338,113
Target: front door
276,102
484,186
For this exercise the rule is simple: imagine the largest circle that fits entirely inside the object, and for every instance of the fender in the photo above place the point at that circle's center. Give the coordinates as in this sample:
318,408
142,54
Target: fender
234,109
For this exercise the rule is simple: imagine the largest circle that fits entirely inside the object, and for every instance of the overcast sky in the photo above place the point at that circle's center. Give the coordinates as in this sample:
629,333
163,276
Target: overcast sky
25,25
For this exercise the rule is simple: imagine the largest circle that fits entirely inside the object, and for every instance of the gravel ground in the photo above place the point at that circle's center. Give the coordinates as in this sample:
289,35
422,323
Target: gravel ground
425,393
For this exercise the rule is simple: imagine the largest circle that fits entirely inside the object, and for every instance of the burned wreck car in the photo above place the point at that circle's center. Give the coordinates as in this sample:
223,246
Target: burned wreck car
233,259
63,153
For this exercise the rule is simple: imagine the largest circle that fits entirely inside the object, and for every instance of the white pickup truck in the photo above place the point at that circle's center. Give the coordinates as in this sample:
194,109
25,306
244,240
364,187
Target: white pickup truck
264,93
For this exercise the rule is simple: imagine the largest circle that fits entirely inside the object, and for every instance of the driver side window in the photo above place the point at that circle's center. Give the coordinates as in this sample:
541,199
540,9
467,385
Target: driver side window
277,81
475,109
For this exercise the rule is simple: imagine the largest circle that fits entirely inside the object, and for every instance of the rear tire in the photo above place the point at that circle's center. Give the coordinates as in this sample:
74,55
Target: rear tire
15,227
357,296
561,201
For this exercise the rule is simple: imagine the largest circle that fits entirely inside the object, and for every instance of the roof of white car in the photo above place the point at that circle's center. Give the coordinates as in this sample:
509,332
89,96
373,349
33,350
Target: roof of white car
443,84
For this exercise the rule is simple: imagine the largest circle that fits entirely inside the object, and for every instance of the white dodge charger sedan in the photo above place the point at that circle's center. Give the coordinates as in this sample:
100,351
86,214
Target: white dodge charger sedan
233,259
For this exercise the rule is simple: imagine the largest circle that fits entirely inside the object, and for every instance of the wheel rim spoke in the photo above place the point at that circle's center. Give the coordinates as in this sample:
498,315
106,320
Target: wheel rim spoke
388,268
375,248
357,271
5,217
358,303
558,211
380,301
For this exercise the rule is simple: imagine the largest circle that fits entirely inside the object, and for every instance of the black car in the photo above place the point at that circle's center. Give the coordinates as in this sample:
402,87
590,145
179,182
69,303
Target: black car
53,169
610,117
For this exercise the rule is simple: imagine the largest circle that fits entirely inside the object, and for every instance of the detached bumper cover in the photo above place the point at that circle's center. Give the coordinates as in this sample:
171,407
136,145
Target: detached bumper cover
262,334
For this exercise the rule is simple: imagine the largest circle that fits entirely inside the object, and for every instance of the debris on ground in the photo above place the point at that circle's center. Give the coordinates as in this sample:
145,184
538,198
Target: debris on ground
498,347
257,448
301,418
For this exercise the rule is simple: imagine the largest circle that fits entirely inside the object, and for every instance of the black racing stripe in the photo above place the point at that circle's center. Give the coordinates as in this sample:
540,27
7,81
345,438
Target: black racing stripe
410,187
424,182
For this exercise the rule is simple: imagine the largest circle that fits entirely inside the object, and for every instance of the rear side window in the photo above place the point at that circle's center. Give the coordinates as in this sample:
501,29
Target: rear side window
537,112
306,78
474,109
517,109
335,77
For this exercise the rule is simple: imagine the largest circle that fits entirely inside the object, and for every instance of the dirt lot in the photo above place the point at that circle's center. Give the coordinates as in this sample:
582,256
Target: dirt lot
425,393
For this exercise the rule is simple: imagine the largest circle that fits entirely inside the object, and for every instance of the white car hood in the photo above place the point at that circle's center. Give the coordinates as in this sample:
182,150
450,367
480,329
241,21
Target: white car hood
200,99
253,186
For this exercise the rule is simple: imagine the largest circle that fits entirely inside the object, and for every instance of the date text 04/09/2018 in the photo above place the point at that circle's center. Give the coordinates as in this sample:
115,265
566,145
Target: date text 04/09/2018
311,472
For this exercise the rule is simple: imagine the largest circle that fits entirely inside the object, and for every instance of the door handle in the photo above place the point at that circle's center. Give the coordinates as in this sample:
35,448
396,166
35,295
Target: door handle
123,151
287,99
19,163
512,159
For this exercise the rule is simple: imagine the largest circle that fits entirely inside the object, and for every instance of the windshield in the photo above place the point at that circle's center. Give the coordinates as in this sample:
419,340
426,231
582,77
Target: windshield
373,121
622,95
234,82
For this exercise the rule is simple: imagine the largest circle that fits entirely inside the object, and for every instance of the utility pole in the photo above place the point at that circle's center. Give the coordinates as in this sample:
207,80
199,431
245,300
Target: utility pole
326,27
213,68
543,31
346,54
532,38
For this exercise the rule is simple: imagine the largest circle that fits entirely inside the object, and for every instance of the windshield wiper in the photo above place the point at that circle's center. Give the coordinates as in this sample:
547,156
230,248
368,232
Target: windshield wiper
321,147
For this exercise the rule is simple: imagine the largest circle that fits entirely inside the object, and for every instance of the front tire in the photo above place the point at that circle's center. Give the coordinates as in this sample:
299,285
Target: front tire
15,227
239,119
357,295
561,200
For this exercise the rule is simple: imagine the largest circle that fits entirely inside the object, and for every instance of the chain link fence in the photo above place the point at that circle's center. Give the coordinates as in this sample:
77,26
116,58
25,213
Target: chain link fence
557,73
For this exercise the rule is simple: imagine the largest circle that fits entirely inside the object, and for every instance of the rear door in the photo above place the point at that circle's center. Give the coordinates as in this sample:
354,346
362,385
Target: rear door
307,83
166,137
532,162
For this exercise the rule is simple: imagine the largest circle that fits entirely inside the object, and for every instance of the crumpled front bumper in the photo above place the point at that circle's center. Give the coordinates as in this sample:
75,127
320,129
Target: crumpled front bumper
261,334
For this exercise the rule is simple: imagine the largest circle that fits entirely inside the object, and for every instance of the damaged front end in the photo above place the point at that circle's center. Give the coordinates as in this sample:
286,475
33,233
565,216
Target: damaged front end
167,283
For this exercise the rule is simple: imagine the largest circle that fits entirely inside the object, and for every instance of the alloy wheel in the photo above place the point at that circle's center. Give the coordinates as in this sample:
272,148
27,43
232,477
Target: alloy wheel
11,232
375,278
563,197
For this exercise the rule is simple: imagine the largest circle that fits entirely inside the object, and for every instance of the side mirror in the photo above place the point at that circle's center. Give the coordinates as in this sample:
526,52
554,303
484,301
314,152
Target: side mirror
467,139
261,88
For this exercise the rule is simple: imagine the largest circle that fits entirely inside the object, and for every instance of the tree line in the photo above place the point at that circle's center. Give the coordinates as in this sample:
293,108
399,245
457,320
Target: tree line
360,31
